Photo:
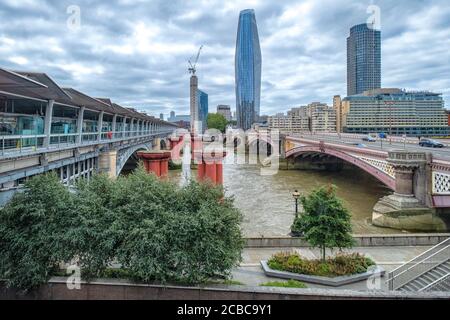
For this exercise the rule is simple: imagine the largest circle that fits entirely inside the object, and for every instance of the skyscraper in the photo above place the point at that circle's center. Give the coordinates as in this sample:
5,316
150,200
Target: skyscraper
202,108
247,70
363,59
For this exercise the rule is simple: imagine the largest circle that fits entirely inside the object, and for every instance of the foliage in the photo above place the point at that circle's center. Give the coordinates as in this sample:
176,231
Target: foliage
32,232
92,235
217,121
174,166
185,235
340,265
285,284
154,229
325,223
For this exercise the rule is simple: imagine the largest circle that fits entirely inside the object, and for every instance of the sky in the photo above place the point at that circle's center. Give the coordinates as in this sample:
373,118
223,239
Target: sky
136,52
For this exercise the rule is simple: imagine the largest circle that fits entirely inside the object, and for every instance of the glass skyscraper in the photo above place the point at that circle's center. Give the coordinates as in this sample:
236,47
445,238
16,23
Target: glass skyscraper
363,59
247,70
202,99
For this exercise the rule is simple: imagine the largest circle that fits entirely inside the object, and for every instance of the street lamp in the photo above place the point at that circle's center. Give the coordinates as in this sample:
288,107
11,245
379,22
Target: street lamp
296,196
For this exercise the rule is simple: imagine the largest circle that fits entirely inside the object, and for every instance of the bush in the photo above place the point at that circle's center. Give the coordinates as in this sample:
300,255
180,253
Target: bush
340,265
33,232
154,229
285,284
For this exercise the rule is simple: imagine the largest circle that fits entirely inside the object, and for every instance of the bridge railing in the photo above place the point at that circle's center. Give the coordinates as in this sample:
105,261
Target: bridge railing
13,144
419,265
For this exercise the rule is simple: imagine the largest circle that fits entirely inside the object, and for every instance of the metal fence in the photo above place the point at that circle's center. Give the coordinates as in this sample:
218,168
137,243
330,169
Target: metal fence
12,144
419,265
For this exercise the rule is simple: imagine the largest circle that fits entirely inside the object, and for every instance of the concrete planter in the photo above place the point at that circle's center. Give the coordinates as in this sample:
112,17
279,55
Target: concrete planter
326,281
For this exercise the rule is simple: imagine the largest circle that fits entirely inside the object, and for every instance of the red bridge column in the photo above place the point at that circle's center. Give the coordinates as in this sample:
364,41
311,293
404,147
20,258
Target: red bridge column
210,168
156,162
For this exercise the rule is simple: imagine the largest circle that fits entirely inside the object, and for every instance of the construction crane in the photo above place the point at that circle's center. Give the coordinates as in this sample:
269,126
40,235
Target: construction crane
192,66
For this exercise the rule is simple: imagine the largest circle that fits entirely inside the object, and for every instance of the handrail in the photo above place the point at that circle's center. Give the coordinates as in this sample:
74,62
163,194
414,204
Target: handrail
424,260
422,254
435,283
12,144
420,260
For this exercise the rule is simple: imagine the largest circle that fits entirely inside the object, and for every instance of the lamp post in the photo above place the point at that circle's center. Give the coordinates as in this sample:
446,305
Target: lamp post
296,196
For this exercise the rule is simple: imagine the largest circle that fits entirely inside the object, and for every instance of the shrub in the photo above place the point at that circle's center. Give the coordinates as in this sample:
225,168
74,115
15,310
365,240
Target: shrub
154,229
285,284
184,235
340,265
33,229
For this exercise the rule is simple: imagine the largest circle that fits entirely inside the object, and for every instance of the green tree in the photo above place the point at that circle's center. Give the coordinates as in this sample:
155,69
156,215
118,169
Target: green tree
155,229
217,121
33,229
187,234
325,223
92,233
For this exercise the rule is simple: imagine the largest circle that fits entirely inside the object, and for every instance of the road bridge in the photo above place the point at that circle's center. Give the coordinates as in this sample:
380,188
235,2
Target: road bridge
418,177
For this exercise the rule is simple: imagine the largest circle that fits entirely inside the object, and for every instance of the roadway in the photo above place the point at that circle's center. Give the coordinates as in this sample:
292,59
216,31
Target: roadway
379,145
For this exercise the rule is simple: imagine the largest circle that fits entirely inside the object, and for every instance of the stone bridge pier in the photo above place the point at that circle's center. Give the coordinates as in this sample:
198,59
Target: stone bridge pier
411,206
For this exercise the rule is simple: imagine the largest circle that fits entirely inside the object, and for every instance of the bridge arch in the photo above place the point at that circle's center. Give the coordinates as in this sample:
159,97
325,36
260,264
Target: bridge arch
125,154
385,178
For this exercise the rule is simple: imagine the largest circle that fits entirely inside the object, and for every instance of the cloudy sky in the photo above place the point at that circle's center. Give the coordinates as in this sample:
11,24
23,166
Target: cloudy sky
136,52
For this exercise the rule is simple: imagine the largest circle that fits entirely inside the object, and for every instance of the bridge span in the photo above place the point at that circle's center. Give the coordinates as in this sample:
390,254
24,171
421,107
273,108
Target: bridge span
419,177
44,127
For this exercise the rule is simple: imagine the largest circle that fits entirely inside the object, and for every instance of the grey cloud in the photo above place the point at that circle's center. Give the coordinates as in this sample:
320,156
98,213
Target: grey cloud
303,47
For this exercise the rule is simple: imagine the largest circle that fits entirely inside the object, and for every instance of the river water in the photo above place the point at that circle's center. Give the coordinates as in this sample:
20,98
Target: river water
268,207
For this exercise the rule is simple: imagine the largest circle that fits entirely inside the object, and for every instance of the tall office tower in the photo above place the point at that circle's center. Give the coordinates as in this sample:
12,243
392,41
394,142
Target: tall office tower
161,116
247,70
194,103
202,109
363,59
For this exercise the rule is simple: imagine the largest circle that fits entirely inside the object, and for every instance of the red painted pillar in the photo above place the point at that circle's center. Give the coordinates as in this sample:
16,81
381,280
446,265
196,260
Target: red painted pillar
219,173
210,172
164,171
156,162
155,167
201,171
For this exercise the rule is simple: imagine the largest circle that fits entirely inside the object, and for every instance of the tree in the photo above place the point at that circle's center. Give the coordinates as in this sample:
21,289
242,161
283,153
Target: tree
33,232
154,229
217,121
187,234
325,223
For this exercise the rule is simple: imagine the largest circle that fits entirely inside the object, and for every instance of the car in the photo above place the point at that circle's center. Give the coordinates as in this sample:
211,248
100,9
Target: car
369,139
361,145
430,143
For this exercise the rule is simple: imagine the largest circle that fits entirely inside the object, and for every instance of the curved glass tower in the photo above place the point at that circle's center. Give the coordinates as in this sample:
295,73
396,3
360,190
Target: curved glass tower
247,70
363,59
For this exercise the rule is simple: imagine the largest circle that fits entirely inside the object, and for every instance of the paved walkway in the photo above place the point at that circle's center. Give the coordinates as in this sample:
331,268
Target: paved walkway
250,272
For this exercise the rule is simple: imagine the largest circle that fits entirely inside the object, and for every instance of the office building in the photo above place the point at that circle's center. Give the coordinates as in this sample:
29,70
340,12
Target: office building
363,59
224,110
247,70
396,112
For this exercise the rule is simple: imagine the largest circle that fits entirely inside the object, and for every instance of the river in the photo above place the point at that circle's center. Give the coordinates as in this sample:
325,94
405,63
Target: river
267,204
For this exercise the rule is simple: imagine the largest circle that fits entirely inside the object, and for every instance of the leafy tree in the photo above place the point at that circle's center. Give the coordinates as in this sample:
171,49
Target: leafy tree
32,232
184,235
325,223
154,229
92,234
217,121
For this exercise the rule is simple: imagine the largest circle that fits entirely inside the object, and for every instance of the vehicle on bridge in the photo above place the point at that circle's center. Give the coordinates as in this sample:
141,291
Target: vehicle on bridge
369,138
430,143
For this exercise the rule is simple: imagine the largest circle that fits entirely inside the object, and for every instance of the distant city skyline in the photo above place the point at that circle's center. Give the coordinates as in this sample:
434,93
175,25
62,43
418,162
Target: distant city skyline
136,53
